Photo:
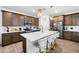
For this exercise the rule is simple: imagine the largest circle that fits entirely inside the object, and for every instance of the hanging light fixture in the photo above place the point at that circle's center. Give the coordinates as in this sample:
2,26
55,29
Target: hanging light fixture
39,12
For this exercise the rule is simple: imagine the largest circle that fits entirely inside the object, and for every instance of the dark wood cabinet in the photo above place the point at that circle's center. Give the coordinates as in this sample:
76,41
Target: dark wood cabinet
57,19
32,21
71,20
67,35
11,19
75,19
73,36
36,22
67,20
7,20
10,38
18,20
21,20
54,20
6,39
14,19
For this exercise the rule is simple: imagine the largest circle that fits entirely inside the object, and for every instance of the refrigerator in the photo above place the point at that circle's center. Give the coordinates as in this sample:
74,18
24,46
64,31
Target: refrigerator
58,26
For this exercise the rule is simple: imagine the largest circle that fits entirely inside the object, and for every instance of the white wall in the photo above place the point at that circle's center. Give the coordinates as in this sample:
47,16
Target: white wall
0,24
44,22
0,17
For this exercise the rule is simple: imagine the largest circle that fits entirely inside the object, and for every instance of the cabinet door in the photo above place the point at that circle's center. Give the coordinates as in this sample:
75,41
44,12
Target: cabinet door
75,36
7,18
67,20
60,18
10,38
56,19
21,20
36,22
15,20
28,19
6,39
68,35
75,19
17,37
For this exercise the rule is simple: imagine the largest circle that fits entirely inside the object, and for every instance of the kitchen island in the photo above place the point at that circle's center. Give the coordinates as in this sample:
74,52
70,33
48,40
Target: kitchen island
34,37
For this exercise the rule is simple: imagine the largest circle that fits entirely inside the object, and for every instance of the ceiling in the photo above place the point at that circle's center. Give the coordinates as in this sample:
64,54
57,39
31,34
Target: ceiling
54,11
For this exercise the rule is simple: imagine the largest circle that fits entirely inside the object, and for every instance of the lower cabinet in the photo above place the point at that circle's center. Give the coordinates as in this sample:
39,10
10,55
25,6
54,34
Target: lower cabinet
6,39
10,38
67,35
73,36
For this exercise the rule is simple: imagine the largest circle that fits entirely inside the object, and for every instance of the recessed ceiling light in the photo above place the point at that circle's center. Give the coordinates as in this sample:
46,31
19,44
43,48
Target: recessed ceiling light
56,11
33,10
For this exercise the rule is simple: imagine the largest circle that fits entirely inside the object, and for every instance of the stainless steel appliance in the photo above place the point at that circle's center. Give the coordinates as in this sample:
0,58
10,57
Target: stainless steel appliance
58,26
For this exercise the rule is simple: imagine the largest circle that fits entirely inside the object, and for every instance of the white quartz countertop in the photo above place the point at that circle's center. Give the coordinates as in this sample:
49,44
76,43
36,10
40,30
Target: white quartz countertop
37,35
72,30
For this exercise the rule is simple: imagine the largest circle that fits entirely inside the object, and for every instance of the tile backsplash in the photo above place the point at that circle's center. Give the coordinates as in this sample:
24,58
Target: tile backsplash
3,29
15,28
71,28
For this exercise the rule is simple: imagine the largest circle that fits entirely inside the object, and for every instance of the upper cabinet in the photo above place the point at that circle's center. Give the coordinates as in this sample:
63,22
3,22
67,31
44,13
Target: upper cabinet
54,20
17,20
21,20
75,19
32,21
7,18
36,22
57,18
14,19
67,20
71,20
